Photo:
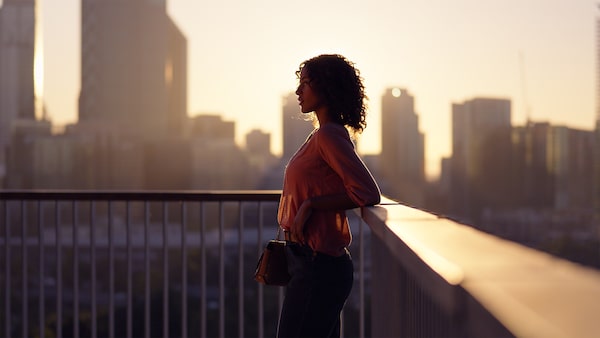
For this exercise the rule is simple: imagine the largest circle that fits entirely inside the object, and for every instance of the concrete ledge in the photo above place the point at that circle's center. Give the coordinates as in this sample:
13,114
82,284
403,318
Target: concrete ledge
531,293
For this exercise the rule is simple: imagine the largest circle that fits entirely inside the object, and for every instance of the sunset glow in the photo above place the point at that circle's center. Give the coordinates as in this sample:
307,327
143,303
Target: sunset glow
242,57
38,63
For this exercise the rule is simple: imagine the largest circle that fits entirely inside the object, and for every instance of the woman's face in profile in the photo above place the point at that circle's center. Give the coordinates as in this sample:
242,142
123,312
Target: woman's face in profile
307,98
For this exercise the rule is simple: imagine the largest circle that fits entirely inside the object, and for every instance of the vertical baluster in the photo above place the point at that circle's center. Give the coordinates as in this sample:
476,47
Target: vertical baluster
146,270
261,319
111,274
203,269
221,271
129,268
93,266
24,293
7,319
41,299
75,271
59,284
361,277
241,276
165,271
183,272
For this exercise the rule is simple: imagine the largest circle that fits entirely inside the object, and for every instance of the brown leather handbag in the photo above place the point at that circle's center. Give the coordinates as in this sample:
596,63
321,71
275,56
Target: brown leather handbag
272,264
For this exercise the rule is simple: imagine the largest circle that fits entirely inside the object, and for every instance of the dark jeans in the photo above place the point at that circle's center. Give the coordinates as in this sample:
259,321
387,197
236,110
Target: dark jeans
316,293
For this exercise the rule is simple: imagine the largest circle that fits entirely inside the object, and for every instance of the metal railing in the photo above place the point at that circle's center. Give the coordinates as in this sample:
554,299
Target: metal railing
99,263
181,264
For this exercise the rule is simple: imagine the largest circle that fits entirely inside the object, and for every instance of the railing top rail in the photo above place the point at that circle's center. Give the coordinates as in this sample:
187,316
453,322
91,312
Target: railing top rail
533,294
142,195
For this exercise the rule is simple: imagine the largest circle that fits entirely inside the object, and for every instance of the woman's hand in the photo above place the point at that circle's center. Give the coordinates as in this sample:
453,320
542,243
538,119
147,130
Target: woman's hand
302,216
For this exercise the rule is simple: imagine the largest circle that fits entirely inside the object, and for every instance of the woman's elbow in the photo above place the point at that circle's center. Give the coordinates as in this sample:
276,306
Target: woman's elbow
372,198
375,199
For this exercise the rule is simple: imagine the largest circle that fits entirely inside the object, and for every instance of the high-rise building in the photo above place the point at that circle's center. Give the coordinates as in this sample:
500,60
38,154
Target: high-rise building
17,47
133,68
571,166
258,151
402,148
258,142
216,162
295,128
532,173
481,150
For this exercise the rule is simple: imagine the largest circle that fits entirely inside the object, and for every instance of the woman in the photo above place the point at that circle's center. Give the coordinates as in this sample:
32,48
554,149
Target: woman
322,180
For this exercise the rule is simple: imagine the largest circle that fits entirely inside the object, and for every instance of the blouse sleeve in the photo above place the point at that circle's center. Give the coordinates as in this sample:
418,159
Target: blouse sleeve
337,150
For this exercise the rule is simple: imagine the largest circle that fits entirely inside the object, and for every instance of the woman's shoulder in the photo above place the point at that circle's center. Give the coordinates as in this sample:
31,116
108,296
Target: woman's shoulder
332,133
332,129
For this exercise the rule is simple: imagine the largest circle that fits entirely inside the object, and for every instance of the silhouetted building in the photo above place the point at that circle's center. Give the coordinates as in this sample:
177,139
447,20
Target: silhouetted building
295,128
258,151
216,161
402,148
532,176
258,142
133,68
106,158
167,164
571,163
17,47
481,156
23,156
212,127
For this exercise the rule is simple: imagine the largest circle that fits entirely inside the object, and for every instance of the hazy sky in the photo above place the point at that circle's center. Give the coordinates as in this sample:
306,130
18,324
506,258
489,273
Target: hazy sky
242,56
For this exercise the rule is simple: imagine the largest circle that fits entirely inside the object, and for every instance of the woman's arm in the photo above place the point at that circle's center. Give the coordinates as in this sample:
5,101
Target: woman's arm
328,202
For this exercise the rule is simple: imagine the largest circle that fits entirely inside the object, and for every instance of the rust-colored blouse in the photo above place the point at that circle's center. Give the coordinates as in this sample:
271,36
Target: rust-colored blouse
326,164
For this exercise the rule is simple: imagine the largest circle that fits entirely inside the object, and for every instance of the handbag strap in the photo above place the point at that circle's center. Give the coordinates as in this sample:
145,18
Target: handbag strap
278,232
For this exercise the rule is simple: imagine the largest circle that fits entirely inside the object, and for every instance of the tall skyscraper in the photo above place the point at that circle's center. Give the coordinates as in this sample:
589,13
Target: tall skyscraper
133,68
481,148
402,148
295,129
17,92
17,47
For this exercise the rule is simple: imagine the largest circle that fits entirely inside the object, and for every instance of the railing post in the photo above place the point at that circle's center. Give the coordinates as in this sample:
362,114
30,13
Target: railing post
59,281
24,293
93,267
129,316
41,300
221,271
165,270
203,328
261,319
7,260
147,299
361,278
75,234
111,273
184,272
241,276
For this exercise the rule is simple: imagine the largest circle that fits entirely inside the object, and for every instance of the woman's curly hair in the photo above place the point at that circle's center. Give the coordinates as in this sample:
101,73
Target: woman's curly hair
339,84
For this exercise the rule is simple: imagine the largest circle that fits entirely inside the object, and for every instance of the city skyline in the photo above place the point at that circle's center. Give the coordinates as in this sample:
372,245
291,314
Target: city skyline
541,49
